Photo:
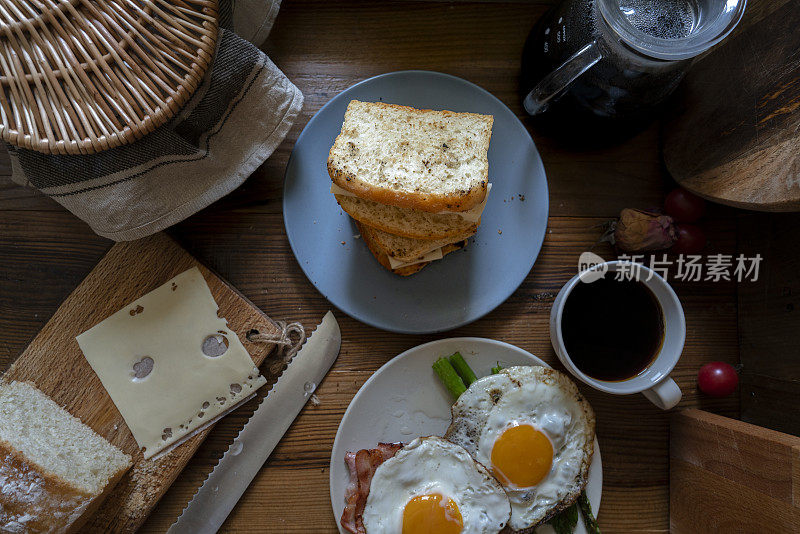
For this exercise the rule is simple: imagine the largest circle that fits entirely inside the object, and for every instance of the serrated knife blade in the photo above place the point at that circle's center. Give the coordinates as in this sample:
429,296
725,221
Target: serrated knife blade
223,488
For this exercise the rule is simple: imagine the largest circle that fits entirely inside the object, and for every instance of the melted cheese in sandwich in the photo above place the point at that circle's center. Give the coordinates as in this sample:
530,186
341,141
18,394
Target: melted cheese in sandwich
430,256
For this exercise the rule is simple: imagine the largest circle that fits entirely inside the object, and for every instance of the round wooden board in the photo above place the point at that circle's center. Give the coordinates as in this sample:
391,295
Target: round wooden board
733,132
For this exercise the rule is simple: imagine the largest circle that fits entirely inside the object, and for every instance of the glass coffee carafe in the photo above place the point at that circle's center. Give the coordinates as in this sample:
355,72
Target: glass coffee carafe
618,59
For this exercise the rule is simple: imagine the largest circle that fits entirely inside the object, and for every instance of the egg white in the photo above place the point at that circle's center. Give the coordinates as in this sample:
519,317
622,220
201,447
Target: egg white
546,400
433,465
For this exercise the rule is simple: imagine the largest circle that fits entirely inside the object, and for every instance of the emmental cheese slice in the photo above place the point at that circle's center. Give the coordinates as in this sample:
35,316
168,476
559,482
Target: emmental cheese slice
169,363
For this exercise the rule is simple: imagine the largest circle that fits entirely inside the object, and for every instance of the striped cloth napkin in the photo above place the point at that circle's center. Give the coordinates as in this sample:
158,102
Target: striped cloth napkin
234,121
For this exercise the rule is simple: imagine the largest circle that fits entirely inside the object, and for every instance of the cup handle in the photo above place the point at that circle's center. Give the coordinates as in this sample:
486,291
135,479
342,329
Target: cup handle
557,81
666,394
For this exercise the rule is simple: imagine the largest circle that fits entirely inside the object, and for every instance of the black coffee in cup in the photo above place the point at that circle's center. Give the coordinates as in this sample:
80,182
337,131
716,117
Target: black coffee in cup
612,329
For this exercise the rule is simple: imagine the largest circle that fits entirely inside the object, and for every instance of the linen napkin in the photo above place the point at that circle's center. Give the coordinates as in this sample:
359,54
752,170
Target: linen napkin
234,121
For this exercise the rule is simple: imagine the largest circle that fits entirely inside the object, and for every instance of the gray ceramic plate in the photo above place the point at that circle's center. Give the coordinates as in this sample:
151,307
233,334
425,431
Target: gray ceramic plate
446,294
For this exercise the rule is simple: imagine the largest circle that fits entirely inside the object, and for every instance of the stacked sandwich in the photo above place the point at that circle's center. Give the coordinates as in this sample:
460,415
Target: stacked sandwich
415,181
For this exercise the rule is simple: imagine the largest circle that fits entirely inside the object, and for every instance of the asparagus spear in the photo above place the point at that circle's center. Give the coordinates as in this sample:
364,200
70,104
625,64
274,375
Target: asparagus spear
588,517
565,522
447,374
462,368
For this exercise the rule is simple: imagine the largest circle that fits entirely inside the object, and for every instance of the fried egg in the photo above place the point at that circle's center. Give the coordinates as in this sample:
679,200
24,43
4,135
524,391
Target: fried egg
432,486
534,431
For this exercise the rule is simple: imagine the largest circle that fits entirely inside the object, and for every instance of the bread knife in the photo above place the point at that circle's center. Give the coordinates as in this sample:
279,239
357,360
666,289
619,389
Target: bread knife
220,492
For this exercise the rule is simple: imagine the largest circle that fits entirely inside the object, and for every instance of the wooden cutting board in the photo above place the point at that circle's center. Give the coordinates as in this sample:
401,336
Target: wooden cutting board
733,132
730,476
55,364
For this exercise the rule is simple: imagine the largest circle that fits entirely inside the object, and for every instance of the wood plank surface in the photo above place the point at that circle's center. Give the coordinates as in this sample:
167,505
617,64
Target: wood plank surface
55,364
731,476
324,47
633,434
769,336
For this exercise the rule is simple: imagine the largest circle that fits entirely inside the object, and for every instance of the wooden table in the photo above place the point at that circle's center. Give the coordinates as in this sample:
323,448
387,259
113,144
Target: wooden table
324,47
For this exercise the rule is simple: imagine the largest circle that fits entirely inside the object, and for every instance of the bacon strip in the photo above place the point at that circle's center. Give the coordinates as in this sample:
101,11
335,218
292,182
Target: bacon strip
362,466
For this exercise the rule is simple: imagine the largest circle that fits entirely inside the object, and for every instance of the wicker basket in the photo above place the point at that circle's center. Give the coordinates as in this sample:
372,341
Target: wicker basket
81,76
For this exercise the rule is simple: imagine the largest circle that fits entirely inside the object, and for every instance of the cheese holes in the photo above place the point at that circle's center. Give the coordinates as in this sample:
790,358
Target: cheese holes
236,389
215,345
142,368
166,434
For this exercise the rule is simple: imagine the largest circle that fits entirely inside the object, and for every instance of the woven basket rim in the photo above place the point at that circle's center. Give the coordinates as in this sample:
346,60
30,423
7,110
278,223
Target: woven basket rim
173,101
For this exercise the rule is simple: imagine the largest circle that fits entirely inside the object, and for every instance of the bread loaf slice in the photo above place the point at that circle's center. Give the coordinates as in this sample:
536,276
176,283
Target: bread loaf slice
423,159
405,249
381,245
406,222
54,470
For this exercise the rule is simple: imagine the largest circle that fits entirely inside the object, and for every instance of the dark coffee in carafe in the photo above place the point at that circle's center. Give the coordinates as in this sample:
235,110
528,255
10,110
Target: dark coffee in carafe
618,59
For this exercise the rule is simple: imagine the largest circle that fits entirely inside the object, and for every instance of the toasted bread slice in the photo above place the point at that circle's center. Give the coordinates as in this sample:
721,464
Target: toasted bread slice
423,159
406,249
376,247
406,222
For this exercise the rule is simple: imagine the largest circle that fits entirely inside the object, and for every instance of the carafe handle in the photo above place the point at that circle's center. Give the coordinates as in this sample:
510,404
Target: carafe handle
557,81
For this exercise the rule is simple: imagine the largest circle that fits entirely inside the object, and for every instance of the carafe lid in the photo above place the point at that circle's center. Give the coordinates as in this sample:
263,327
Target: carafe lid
712,21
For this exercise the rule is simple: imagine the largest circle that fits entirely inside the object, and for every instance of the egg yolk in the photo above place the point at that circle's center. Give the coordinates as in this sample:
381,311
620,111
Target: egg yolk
432,514
522,456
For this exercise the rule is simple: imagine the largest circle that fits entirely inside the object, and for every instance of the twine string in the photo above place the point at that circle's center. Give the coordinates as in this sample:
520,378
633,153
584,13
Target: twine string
289,339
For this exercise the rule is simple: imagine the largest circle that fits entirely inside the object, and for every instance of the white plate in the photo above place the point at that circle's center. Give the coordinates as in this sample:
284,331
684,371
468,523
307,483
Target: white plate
404,399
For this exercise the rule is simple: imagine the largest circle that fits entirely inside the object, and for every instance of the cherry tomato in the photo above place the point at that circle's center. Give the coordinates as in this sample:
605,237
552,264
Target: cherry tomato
684,206
691,240
718,379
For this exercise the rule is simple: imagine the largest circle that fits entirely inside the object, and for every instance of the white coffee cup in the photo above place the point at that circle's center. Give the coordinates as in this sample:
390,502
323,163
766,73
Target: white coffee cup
654,381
